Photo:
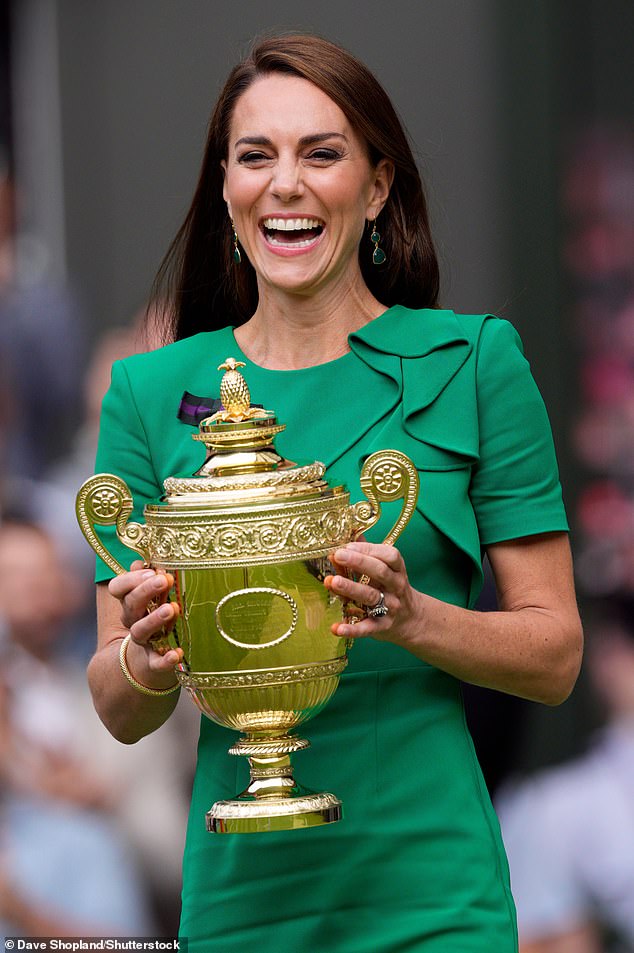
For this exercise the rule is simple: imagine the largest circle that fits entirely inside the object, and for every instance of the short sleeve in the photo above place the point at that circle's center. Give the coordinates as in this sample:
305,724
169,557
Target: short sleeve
124,451
515,489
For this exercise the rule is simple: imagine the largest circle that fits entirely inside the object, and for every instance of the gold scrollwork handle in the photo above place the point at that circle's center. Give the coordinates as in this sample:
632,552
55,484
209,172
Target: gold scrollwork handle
103,500
386,475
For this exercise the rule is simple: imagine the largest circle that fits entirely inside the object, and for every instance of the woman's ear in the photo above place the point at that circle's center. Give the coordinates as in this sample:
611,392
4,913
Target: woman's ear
383,178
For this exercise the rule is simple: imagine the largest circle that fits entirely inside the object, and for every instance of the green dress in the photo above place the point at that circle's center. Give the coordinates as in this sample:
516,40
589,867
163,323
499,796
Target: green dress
417,863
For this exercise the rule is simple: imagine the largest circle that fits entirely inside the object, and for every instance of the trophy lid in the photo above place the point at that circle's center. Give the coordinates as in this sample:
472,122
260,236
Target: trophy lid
242,464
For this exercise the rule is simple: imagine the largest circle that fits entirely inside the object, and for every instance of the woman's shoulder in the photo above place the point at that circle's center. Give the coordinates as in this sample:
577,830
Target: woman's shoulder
199,348
469,326
155,379
411,332
487,335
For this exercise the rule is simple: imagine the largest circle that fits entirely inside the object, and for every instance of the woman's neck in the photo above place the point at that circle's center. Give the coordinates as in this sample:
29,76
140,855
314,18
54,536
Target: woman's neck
288,332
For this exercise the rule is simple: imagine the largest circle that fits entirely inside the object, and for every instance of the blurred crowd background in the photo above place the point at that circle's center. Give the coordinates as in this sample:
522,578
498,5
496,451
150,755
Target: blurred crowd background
523,120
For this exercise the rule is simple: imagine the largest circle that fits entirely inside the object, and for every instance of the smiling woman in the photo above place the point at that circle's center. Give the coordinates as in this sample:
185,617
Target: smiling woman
307,255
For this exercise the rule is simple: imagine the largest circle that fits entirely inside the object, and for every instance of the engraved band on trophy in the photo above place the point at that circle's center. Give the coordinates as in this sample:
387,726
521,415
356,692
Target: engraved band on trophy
248,540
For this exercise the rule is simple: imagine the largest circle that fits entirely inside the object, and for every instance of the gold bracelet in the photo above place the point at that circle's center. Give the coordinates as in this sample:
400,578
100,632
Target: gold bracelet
123,662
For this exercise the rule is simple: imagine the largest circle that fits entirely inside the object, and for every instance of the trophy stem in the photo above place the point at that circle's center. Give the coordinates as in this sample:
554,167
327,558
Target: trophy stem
273,800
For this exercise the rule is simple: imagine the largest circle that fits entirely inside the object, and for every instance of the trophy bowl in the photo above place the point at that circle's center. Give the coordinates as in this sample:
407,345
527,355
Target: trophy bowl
248,540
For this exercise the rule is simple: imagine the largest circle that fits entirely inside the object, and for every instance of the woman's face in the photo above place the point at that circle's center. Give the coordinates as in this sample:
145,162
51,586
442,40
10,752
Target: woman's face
299,185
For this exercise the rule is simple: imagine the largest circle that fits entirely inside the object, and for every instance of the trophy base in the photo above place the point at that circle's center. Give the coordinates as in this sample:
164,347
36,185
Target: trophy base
250,815
273,801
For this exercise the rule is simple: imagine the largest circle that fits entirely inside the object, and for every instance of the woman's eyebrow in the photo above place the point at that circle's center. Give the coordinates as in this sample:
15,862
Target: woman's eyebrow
304,141
320,137
253,141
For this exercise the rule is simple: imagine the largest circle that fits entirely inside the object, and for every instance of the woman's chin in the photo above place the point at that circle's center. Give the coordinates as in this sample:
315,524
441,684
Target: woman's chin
291,273
302,285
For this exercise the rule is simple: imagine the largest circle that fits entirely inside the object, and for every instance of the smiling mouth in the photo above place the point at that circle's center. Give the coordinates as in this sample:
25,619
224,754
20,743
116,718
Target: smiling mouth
296,232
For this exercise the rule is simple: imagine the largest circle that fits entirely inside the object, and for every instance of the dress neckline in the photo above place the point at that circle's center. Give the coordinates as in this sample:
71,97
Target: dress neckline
337,363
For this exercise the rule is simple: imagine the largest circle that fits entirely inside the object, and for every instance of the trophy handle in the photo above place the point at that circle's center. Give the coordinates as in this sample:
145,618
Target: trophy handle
105,499
386,475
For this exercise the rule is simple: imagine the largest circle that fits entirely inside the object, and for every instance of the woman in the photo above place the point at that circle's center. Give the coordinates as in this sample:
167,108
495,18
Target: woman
307,254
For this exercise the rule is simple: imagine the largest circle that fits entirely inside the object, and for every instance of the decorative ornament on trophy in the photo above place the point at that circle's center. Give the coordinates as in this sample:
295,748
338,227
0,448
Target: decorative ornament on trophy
247,540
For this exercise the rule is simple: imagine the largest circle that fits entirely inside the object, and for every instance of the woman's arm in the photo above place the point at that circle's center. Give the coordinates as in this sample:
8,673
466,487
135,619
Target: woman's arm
531,647
122,608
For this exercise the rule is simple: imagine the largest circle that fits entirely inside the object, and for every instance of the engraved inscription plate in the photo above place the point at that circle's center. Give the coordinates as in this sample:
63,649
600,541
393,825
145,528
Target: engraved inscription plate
256,618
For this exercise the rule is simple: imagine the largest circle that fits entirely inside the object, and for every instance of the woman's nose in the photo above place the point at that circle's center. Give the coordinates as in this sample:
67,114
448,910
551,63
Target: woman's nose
286,183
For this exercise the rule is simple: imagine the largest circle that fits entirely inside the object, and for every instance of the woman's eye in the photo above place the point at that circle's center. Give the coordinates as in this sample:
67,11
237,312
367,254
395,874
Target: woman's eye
250,158
324,155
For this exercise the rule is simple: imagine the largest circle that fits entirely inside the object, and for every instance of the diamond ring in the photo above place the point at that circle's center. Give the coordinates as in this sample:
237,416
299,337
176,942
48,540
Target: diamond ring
380,609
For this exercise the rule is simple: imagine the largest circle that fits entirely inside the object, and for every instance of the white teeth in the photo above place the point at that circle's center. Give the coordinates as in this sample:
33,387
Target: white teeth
290,224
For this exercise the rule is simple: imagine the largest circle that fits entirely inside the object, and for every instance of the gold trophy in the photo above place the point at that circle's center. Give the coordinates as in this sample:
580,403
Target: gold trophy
248,540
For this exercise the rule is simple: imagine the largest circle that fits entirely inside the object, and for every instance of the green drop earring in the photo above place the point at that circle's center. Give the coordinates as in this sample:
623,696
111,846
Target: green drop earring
378,255
237,257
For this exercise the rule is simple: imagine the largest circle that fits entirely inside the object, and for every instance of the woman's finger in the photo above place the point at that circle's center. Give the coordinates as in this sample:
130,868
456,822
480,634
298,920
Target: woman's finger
364,627
378,563
153,660
138,590
363,595
389,555
121,585
154,623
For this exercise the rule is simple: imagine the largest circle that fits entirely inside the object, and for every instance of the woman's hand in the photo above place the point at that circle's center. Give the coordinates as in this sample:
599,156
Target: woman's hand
384,568
133,603
146,614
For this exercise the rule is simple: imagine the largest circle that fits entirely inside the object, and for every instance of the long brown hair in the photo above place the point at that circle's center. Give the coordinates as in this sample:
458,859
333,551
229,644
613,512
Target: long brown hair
199,285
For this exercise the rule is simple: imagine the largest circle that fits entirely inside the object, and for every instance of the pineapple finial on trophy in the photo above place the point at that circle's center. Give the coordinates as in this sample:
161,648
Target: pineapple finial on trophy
239,438
235,396
234,391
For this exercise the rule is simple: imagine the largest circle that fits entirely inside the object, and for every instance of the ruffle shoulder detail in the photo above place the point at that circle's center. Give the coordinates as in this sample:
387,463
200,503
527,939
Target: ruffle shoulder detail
431,355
